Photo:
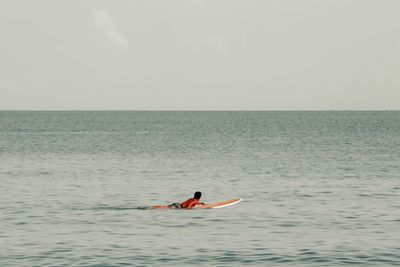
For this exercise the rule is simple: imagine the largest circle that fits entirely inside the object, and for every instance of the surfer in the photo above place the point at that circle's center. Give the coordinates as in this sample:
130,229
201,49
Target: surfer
188,204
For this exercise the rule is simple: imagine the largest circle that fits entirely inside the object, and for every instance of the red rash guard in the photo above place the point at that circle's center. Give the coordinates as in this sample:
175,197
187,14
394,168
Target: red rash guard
190,203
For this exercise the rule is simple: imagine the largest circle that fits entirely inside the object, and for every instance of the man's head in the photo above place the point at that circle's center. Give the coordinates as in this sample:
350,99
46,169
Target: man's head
197,195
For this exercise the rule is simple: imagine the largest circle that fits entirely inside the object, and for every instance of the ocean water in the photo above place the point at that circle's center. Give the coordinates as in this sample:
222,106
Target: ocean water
318,188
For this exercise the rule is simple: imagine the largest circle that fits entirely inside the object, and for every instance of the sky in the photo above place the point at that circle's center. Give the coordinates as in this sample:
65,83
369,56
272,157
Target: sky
200,55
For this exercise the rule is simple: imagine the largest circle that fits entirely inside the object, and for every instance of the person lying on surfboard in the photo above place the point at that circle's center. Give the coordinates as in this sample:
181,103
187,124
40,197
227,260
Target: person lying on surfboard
188,204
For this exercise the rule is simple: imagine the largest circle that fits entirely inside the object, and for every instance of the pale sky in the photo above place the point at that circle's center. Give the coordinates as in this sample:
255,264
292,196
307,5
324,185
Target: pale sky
200,55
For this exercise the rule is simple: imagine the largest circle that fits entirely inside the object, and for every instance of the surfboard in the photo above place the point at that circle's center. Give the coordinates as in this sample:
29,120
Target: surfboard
219,204
207,206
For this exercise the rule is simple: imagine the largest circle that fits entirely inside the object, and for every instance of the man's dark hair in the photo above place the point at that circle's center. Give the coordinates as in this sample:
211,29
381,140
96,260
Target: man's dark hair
197,195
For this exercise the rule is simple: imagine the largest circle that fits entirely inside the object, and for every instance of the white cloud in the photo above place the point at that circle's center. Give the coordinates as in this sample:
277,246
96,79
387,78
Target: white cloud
103,21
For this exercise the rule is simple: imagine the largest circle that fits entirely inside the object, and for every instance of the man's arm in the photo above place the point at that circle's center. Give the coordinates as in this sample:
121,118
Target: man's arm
191,205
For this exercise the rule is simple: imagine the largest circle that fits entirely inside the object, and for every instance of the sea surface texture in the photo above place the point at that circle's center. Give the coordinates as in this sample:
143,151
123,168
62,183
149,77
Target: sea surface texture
318,188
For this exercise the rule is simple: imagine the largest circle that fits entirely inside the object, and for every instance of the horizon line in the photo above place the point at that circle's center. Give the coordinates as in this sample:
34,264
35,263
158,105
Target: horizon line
199,110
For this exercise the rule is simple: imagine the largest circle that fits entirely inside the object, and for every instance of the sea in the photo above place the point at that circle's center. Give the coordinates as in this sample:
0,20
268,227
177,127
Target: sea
319,188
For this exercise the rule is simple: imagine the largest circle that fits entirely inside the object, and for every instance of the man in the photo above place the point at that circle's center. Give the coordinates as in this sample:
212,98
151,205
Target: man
188,204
